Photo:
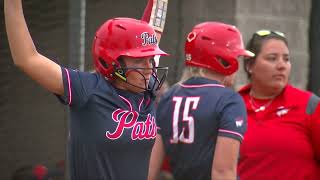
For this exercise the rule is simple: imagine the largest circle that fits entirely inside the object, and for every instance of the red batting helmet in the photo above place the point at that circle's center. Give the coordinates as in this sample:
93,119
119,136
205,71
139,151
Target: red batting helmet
215,46
122,37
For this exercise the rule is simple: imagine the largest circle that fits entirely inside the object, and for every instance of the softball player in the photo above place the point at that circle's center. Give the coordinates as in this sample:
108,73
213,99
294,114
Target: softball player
112,111
202,122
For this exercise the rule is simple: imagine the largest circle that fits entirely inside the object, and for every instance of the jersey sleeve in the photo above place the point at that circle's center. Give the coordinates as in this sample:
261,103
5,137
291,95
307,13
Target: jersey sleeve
232,117
77,86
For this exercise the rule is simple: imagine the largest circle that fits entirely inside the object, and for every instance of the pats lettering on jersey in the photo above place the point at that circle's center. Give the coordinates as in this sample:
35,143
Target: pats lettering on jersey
148,39
129,120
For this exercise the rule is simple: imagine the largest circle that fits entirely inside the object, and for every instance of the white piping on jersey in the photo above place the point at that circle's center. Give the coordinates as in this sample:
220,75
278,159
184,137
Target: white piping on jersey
141,104
127,101
69,86
201,85
231,132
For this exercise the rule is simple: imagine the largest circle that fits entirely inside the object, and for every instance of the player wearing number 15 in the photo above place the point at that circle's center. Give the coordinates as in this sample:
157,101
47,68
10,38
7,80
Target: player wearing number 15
202,122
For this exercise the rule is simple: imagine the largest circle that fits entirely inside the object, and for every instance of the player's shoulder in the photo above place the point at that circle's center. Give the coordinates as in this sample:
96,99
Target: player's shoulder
227,92
228,96
93,81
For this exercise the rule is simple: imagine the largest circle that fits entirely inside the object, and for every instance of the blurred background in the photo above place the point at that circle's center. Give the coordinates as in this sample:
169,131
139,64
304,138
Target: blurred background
33,124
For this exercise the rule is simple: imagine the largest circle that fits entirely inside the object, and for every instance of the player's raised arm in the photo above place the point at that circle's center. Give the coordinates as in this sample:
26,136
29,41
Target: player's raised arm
25,56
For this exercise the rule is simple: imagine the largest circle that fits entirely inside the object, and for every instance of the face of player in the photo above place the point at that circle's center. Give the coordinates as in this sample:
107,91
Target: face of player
139,71
272,66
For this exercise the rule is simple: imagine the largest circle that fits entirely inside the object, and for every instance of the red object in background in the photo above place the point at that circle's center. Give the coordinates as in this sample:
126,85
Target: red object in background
166,165
40,171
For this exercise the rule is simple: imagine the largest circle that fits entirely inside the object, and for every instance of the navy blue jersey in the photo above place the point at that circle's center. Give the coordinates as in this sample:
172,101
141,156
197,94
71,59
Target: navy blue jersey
112,131
191,116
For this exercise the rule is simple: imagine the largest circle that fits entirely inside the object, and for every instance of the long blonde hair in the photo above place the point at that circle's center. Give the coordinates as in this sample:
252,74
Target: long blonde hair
190,71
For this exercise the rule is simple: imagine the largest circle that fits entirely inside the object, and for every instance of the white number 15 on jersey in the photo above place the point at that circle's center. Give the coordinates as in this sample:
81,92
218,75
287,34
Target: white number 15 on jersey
187,133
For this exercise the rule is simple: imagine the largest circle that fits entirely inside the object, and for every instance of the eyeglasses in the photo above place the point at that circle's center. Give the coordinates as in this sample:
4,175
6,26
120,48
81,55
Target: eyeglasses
265,32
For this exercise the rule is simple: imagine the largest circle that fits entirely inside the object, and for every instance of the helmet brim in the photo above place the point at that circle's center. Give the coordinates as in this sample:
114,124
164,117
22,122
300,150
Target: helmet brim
145,52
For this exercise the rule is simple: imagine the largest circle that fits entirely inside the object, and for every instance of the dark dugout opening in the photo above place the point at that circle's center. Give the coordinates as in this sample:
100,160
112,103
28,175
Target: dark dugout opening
314,45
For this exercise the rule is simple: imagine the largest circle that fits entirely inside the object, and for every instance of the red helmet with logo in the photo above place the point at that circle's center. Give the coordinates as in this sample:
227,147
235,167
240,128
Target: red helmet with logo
215,46
122,37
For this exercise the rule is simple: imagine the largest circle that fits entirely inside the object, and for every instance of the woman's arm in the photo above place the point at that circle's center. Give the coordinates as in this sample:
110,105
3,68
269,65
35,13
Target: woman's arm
157,156
224,165
25,56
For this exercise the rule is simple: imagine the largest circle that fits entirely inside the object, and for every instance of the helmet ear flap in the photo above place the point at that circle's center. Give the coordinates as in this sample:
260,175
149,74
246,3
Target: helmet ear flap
103,63
104,67
225,64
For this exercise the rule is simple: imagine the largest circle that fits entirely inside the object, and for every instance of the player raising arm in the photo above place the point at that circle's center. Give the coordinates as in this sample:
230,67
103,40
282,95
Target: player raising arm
46,72
109,109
